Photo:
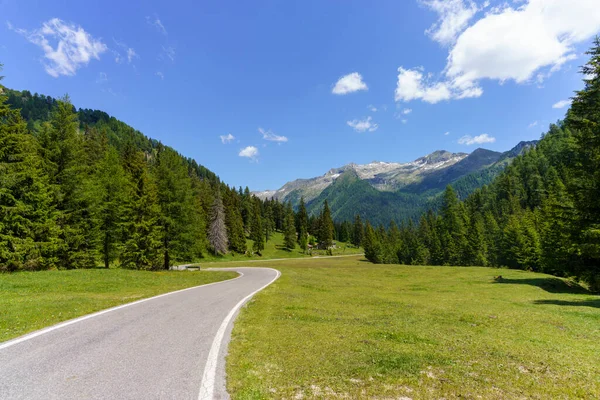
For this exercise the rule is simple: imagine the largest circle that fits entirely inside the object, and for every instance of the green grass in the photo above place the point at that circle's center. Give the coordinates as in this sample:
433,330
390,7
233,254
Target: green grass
274,249
344,328
34,300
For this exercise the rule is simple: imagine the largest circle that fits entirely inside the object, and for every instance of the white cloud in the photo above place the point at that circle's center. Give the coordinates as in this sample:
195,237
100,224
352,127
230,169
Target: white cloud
469,140
131,54
227,138
454,17
102,77
349,83
160,75
522,43
250,152
533,124
155,21
404,121
372,108
412,85
561,104
272,137
168,52
446,133
74,46
406,111
363,125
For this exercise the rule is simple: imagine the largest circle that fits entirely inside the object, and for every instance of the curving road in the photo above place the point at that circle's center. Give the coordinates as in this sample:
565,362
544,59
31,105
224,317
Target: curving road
171,346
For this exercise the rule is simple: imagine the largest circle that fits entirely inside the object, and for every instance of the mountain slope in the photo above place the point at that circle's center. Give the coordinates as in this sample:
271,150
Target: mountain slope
382,191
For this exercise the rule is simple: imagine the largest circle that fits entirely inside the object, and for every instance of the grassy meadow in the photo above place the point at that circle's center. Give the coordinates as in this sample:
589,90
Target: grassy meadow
344,328
34,300
274,249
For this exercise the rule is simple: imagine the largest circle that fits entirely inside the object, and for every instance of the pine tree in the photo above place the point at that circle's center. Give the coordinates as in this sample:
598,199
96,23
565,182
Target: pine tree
142,233
217,232
69,174
303,240
289,239
326,230
372,245
357,231
175,198
111,192
584,117
302,219
235,223
28,233
257,233
476,250
453,230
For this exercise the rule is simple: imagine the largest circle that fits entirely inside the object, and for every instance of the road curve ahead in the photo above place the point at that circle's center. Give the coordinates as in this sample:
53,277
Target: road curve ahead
153,349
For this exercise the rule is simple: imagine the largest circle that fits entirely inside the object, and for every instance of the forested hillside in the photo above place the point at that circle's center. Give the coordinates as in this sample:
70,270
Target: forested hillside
79,189
542,213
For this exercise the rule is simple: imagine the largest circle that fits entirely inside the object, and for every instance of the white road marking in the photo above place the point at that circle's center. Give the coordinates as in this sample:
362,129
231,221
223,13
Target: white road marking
73,321
207,385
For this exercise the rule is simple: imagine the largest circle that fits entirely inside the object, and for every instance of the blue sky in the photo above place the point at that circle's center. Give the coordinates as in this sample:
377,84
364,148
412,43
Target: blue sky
264,92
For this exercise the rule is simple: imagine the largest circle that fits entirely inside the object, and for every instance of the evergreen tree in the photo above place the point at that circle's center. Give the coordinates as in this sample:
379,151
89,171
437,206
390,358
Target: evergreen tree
27,225
111,191
62,148
357,231
289,239
142,233
180,239
256,233
326,230
235,223
372,245
302,220
303,240
453,232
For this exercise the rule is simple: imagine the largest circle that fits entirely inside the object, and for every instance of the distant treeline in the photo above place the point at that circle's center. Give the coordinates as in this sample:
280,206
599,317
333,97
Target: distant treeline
542,213
80,189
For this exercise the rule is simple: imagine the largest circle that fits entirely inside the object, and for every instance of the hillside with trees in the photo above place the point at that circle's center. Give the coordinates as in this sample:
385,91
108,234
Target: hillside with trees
542,213
81,189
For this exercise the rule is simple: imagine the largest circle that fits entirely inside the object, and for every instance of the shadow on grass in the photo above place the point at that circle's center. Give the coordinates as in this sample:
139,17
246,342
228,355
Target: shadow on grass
583,303
551,285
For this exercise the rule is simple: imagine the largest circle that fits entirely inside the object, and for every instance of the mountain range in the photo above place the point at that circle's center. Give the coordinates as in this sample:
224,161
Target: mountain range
382,191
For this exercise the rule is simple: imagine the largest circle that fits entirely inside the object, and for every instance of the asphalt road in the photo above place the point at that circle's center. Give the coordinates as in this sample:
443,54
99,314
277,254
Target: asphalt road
153,349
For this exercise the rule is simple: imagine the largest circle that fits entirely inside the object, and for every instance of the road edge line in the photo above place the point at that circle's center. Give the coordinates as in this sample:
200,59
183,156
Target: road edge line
63,324
207,384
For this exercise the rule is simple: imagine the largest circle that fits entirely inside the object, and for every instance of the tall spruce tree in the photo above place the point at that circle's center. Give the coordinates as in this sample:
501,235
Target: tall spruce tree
257,233
357,231
62,148
235,223
326,229
302,219
289,238
28,233
142,232
111,192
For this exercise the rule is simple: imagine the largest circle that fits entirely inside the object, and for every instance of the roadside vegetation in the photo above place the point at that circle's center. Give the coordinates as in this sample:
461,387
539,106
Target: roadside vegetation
345,328
34,300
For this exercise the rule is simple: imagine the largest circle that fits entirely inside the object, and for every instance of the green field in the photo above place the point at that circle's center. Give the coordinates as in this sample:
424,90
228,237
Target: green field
344,328
34,300
274,249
